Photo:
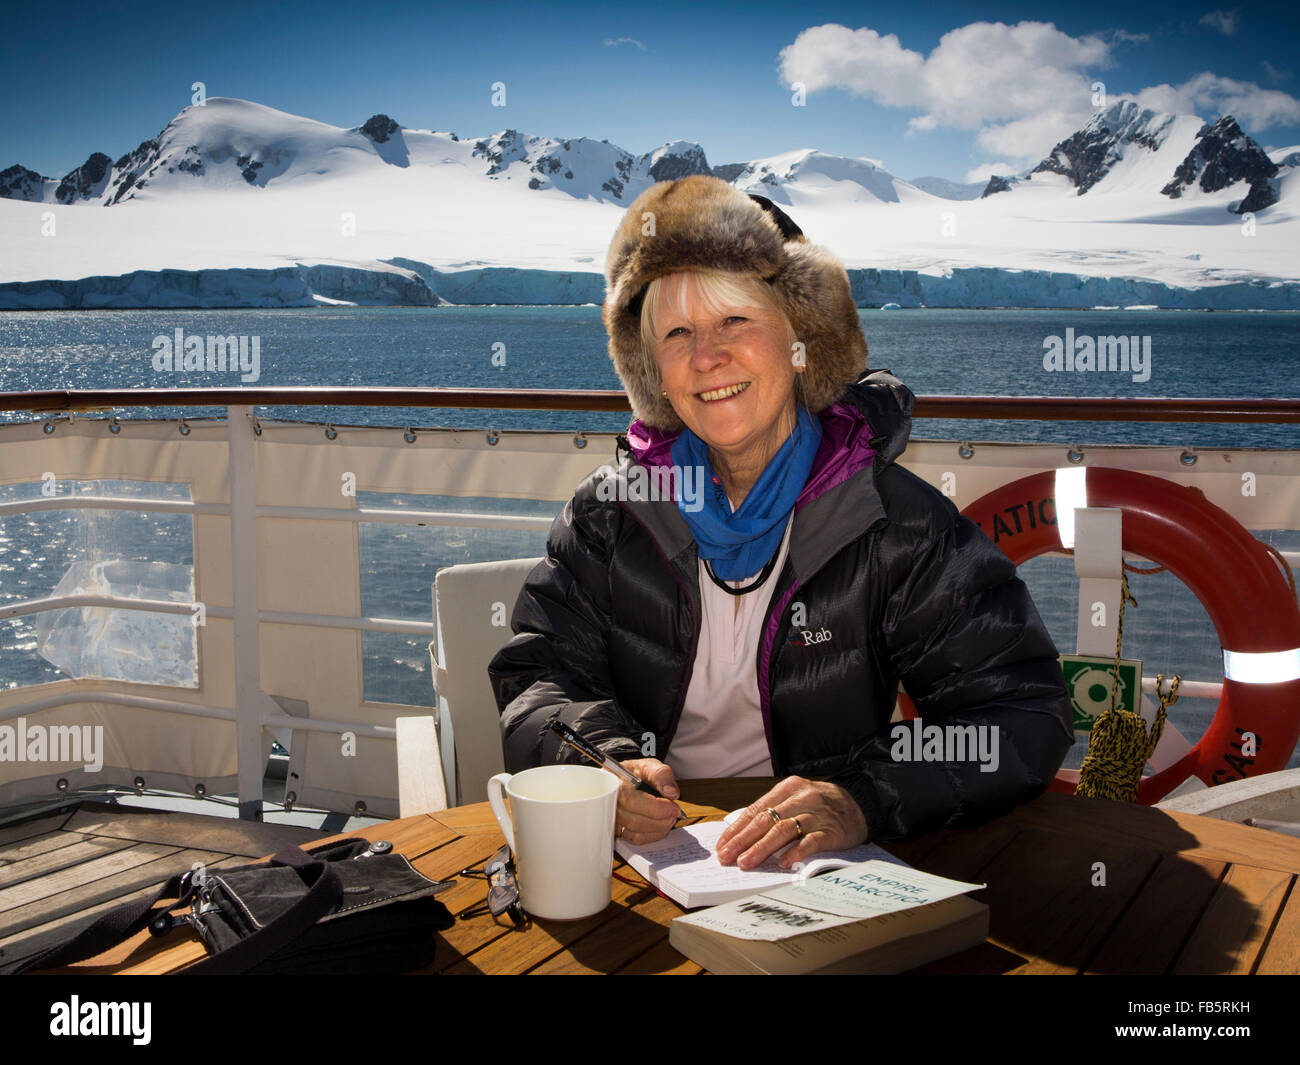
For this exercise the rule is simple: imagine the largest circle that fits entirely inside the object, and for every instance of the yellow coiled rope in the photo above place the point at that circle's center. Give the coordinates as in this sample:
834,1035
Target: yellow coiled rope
1119,746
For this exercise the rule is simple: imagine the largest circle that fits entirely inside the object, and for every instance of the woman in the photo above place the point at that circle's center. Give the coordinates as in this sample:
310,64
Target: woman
758,618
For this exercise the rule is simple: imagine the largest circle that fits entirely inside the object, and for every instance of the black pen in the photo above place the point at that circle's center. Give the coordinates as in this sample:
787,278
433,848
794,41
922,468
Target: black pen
603,760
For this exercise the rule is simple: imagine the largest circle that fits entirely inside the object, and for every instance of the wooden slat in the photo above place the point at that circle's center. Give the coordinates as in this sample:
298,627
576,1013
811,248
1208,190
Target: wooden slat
661,960
420,784
70,916
11,855
1282,952
466,819
960,855
411,836
1133,825
642,923
107,890
81,852
37,826
227,835
1159,921
1229,935
1043,903
518,951
122,857
145,955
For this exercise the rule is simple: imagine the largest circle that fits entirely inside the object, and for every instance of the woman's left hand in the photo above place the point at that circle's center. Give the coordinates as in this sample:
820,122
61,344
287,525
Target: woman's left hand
828,820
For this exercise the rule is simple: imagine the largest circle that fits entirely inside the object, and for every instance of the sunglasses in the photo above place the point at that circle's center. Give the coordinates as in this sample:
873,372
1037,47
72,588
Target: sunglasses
503,888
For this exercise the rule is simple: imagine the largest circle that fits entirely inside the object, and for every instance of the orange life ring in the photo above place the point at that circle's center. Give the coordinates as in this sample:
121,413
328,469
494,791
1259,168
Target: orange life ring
1231,573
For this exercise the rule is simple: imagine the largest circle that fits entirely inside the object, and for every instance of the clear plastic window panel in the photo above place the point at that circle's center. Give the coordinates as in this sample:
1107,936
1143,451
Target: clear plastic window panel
137,555
398,567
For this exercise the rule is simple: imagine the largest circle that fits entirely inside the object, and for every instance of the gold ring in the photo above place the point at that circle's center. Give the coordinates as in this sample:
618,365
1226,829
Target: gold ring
798,828
773,815
621,830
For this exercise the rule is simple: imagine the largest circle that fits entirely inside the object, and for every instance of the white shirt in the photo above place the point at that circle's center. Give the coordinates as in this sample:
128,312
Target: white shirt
720,732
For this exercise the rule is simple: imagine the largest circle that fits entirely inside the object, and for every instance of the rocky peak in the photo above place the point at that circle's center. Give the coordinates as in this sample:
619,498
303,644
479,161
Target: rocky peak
19,183
87,181
998,183
1087,156
677,159
379,128
1224,155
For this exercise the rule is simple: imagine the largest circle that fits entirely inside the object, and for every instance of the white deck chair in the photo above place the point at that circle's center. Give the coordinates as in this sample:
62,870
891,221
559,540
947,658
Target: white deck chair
472,605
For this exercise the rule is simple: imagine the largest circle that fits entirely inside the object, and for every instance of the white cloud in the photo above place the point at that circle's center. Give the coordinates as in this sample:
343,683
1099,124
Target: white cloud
982,72
1041,132
614,42
1276,73
1210,95
1022,88
1223,21
861,61
986,170
1124,37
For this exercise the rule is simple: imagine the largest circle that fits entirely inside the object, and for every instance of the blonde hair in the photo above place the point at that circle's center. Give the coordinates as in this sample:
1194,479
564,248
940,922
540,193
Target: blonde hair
718,291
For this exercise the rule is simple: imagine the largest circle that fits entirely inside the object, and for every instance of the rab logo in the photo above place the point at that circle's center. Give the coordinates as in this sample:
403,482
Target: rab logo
806,638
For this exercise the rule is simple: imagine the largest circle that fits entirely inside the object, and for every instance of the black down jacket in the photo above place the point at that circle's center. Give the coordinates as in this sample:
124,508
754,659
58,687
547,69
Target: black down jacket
894,584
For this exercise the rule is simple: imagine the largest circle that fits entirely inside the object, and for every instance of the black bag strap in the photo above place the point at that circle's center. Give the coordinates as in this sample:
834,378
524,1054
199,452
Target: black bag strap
325,891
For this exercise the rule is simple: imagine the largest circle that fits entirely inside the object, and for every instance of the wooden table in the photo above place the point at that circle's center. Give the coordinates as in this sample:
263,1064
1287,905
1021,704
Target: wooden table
1074,885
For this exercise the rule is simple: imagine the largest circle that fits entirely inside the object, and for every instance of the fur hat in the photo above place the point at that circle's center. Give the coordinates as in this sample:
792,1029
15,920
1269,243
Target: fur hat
703,223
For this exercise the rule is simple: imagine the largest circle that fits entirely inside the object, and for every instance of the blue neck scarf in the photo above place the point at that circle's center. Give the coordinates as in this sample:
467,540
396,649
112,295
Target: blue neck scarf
739,544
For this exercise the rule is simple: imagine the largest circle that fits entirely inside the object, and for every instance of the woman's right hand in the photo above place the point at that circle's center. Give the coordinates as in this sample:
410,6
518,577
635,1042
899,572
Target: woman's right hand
641,818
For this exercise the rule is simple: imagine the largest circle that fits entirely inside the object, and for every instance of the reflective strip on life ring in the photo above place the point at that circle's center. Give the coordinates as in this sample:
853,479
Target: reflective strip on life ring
1237,581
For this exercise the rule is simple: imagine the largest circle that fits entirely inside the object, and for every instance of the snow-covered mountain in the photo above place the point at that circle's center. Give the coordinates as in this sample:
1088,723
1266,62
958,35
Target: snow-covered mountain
583,167
949,190
796,177
226,143
1223,156
1117,142
1128,148
1286,156
235,203
87,182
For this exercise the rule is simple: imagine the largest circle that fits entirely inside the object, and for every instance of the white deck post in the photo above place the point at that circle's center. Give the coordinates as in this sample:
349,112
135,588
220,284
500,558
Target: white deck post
243,568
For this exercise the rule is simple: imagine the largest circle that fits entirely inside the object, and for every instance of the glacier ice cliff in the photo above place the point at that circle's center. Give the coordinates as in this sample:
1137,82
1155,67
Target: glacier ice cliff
408,283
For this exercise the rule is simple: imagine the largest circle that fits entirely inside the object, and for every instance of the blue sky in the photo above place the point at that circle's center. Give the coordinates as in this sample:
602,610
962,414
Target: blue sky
955,90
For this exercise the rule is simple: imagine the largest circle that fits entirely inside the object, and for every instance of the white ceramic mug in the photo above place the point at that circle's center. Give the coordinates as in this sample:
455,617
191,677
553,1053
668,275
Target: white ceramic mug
559,822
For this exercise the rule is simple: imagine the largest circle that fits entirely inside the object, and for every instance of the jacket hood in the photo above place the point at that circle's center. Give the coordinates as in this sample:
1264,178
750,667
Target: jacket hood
869,424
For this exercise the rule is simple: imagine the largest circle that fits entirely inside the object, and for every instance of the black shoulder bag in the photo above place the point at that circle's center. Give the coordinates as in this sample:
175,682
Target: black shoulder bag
349,906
